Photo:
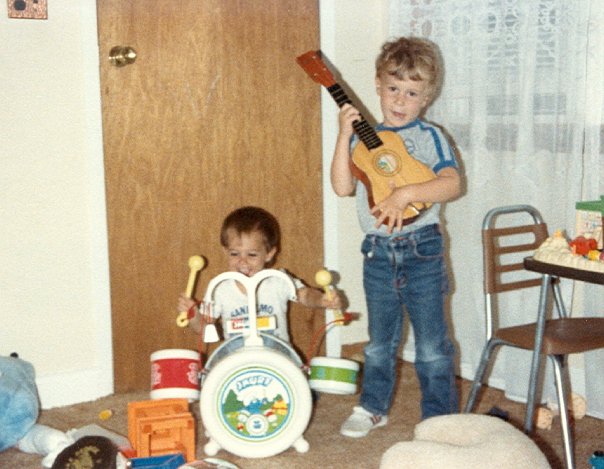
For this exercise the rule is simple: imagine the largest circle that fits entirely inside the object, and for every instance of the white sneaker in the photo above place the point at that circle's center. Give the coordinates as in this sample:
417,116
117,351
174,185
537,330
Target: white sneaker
361,422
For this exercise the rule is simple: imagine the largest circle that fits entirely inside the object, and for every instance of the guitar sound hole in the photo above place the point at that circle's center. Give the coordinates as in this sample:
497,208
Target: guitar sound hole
386,163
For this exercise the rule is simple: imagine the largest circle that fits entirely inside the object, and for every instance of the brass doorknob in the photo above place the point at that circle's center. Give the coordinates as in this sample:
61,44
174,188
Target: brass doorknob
122,55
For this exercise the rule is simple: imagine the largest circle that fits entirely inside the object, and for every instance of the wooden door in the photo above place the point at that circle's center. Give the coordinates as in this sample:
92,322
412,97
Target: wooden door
213,114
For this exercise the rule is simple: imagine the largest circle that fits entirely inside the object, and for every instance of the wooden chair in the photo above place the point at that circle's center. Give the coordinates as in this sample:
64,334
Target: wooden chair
503,251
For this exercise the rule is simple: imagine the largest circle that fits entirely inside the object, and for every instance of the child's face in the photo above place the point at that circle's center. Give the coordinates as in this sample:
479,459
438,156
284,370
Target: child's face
247,253
401,101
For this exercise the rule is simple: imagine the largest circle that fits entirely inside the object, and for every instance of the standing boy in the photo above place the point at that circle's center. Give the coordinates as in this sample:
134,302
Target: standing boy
404,266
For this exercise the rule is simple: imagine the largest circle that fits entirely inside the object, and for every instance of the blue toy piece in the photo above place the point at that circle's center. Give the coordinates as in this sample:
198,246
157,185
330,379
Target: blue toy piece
166,461
19,403
597,460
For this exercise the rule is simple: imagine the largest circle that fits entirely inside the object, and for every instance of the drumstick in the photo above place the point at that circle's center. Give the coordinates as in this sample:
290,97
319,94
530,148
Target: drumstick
323,279
196,263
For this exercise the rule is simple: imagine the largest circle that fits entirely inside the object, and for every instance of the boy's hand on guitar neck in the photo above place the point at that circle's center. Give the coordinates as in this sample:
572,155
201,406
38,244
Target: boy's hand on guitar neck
391,210
347,116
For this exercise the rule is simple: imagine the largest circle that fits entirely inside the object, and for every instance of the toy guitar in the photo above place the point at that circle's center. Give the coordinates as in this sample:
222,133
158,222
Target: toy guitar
381,158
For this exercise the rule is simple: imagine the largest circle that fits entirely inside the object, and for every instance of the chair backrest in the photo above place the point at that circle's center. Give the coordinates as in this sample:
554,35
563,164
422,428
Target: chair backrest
504,247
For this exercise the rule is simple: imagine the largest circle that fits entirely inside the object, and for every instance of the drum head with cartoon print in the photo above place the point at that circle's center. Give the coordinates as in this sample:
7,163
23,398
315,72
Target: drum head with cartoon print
255,402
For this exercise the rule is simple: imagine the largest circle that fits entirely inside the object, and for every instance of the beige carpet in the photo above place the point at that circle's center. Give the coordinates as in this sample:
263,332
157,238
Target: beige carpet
328,449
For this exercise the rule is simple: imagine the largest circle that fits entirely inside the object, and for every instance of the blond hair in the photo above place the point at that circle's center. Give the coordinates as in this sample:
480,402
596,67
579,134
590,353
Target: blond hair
411,58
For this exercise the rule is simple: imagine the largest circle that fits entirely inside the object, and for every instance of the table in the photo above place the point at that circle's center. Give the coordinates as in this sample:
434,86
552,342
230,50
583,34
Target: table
549,273
563,271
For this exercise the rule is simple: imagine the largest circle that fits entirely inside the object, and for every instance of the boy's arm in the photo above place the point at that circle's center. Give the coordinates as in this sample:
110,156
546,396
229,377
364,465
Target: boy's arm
315,298
186,304
446,186
342,180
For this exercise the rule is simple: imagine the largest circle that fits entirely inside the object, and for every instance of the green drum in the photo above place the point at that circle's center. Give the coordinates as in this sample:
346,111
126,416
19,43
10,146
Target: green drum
333,375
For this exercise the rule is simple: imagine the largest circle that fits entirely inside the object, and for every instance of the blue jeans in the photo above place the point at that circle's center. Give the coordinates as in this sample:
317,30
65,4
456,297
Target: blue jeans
407,273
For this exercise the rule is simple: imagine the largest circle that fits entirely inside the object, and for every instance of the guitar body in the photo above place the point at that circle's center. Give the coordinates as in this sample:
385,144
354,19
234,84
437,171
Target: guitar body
389,165
380,160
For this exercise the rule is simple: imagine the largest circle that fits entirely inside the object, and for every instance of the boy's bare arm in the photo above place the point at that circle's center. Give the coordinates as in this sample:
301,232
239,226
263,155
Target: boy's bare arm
342,180
315,298
185,304
446,186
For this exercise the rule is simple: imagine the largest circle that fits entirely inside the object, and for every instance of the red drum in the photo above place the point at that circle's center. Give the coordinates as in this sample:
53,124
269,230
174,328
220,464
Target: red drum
175,373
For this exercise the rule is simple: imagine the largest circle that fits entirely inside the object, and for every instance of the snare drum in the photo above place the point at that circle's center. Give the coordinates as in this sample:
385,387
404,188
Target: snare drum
255,400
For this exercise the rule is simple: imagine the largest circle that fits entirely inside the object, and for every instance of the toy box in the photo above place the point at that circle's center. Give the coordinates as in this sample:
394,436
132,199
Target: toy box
588,220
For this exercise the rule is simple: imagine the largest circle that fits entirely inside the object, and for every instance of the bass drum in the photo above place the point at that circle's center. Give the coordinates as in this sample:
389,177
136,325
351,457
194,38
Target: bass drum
255,401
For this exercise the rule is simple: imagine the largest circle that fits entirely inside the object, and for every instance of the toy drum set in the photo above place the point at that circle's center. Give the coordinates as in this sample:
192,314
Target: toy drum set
255,401
255,398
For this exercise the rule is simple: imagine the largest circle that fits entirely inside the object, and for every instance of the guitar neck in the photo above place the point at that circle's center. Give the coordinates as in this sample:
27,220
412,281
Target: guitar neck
361,127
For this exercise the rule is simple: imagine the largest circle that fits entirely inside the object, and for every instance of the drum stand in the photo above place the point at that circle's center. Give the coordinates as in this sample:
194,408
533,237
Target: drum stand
256,401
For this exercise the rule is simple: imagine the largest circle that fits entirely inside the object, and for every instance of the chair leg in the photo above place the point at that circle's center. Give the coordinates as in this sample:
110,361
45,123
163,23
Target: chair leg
479,376
531,398
567,437
558,299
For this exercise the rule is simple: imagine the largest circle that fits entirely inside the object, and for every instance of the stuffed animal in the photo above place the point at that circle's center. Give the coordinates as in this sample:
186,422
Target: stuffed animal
18,400
465,441
19,411
544,418
545,415
577,406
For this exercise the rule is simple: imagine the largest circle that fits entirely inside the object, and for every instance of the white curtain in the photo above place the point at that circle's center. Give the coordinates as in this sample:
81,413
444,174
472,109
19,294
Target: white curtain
523,99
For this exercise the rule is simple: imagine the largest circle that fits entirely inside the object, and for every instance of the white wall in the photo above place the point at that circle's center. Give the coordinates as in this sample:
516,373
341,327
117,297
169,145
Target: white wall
352,32
54,283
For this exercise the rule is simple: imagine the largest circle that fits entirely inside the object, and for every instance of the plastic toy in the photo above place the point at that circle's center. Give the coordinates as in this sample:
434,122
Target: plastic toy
323,279
255,401
332,375
209,463
105,414
175,374
168,461
582,245
196,263
159,427
589,219
255,396
597,460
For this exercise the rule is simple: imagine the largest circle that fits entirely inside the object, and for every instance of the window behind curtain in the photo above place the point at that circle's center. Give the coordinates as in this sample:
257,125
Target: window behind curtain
523,99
